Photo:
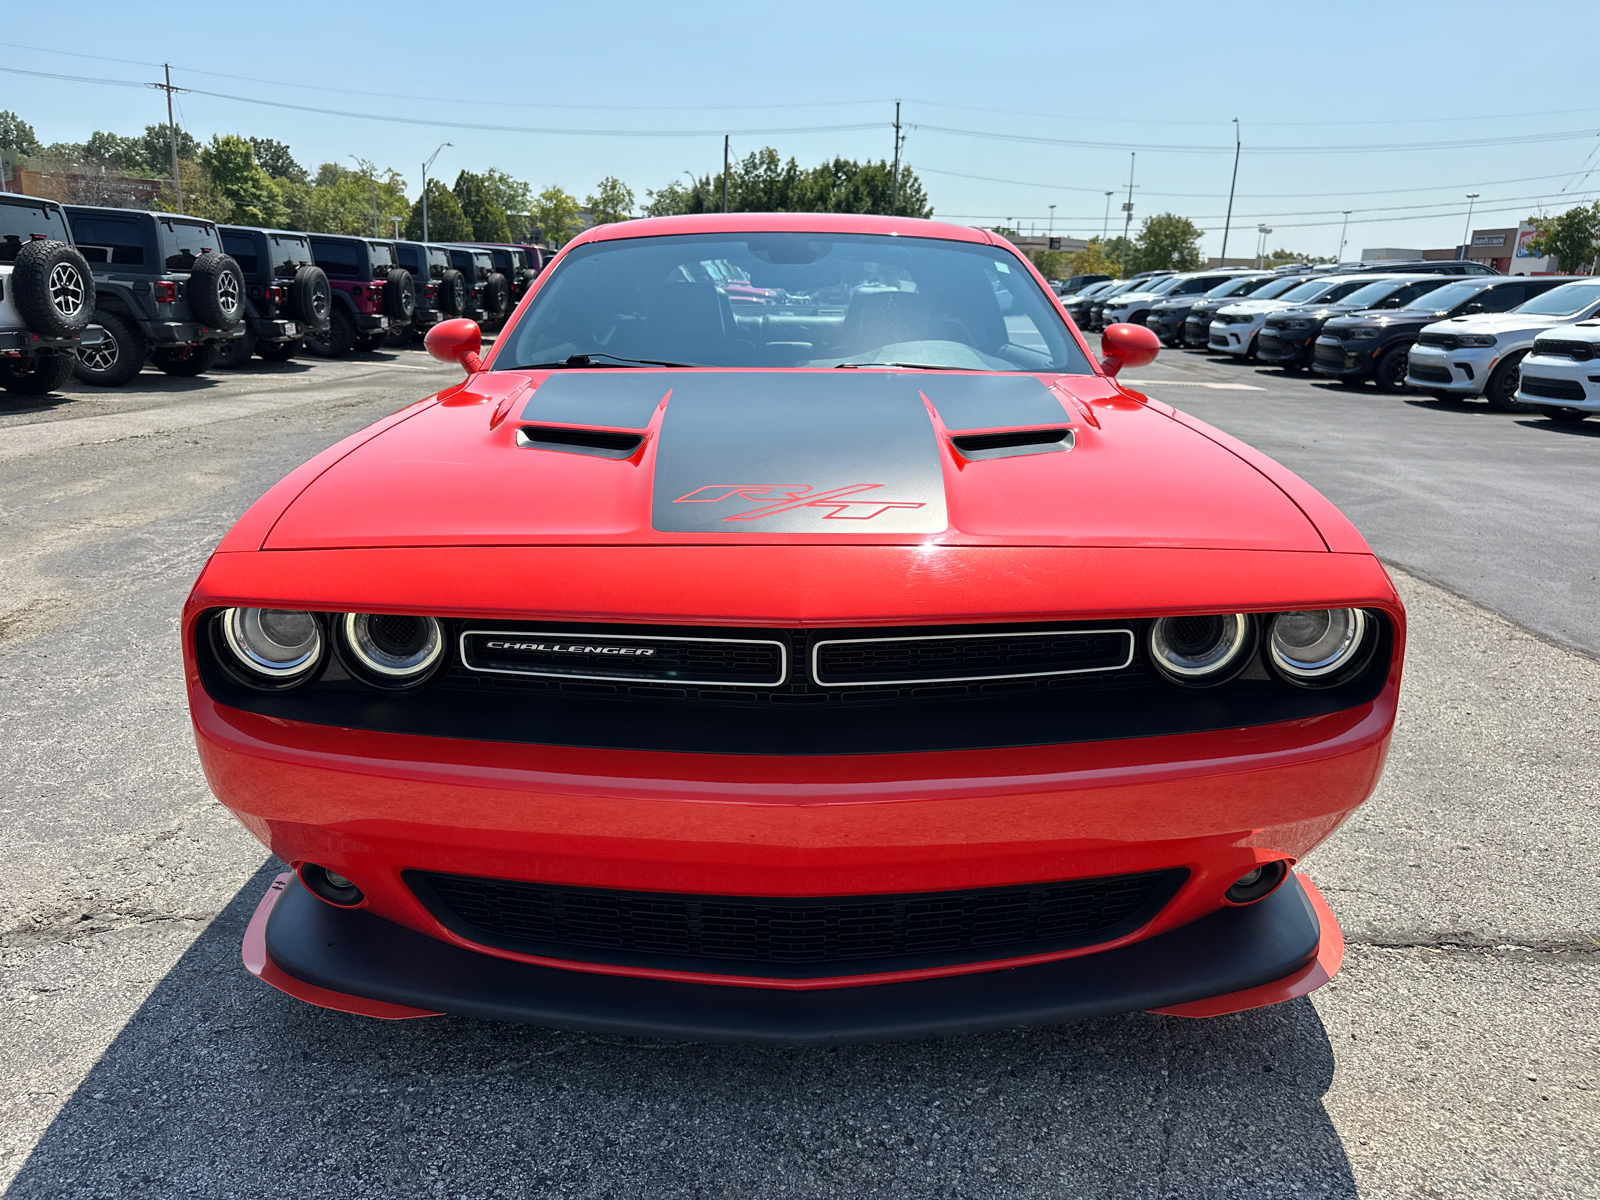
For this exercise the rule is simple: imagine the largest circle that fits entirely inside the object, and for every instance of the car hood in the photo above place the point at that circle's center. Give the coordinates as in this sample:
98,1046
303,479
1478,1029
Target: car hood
1499,323
1254,307
727,456
1133,298
1393,318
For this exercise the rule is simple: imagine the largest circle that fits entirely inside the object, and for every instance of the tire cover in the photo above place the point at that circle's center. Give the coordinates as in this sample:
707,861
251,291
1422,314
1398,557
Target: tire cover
453,293
311,296
400,294
53,288
216,290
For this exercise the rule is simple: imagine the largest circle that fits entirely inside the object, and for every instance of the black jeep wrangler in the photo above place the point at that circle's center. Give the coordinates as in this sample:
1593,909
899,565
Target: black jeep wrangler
286,295
511,261
46,296
371,293
164,290
441,291
485,285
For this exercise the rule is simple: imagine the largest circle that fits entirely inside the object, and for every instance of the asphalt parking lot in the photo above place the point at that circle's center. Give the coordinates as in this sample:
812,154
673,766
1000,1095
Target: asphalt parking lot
1457,1054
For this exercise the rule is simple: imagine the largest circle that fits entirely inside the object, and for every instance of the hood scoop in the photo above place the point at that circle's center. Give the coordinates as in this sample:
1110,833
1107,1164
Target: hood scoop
1011,443
597,443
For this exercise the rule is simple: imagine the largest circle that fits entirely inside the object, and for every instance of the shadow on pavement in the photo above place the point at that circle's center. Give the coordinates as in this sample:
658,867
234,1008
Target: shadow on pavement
220,1086
1576,428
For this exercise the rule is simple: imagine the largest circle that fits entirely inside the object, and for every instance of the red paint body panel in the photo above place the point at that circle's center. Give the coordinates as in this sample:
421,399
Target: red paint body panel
437,511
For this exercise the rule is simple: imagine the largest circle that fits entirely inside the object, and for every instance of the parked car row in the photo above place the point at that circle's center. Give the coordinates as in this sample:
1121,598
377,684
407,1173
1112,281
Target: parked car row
100,292
1448,329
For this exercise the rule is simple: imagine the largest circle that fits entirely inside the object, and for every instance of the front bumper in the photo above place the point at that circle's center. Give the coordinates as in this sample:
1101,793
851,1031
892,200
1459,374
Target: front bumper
1232,339
1463,371
1345,360
1233,959
1290,345
1560,383
1169,327
1197,332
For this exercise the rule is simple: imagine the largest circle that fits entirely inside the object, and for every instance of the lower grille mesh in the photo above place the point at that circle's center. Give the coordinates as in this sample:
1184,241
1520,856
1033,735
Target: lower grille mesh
792,937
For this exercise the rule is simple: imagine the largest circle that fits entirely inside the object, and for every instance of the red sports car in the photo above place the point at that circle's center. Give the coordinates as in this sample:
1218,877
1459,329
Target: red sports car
865,664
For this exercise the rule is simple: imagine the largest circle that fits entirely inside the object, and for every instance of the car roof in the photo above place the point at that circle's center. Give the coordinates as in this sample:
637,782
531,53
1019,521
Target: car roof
787,223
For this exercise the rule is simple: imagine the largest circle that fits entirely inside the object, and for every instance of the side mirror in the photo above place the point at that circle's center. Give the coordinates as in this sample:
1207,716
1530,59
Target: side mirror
1126,346
457,341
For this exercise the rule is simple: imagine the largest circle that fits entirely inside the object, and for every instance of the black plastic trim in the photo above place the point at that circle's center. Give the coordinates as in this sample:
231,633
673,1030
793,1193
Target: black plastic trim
597,443
359,954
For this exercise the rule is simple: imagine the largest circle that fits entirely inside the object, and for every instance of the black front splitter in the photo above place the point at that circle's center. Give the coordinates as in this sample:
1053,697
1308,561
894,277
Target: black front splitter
355,953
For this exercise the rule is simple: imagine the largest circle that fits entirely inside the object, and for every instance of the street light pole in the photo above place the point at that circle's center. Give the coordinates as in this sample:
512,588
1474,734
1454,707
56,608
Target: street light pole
1051,229
1105,228
1127,219
425,168
1342,228
725,172
1228,224
1261,260
1466,234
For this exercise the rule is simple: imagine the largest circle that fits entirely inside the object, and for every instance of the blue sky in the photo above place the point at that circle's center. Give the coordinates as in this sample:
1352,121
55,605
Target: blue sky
652,87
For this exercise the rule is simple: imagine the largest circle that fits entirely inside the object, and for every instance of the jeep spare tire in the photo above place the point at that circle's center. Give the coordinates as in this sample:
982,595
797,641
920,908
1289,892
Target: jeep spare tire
453,293
53,288
311,296
400,295
216,290
497,295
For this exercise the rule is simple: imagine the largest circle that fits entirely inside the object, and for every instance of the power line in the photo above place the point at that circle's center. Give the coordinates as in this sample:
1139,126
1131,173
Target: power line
1080,119
1374,148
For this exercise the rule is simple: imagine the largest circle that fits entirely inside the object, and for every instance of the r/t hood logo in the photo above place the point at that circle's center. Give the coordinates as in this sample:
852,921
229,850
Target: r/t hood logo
786,497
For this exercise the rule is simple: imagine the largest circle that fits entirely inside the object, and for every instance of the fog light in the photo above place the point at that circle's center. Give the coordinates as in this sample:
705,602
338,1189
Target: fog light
1257,884
1202,651
325,885
274,648
391,651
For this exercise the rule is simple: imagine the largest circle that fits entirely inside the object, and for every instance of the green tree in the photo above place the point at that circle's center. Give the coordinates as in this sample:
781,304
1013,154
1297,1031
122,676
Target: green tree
296,200
1052,264
276,160
342,201
231,161
763,182
1092,260
611,201
1116,250
488,219
555,215
113,150
446,221
1168,242
512,195
155,151
17,135
63,156
670,201
1572,239
201,197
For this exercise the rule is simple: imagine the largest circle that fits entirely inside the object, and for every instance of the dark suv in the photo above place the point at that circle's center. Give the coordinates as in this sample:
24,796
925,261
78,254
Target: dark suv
1197,325
429,266
286,295
513,262
371,293
478,268
164,290
46,296
1288,337
1168,314
1375,345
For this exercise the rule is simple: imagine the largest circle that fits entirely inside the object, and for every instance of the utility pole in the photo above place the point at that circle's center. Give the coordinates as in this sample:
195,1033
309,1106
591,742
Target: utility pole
1226,225
425,167
1105,228
1466,235
724,172
172,131
894,179
1127,218
1340,256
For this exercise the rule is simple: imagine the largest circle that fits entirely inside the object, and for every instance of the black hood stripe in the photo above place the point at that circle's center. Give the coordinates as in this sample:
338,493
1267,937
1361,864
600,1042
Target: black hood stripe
620,399
991,401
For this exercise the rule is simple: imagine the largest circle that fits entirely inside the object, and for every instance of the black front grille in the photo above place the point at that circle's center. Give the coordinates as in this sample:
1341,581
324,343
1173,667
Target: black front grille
1430,374
1552,389
1330,356
1555,348
887,661
1443,341
792,937
1269,344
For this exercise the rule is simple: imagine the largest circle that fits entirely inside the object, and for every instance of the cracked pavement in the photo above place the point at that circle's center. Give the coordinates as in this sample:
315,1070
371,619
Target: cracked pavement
1456,1054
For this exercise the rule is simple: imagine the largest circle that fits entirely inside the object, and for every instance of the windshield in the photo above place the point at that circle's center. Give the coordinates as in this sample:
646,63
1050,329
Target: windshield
1310,289
20,222
1239,287
1197,286
796,300
1446,297
1272,289
1562,301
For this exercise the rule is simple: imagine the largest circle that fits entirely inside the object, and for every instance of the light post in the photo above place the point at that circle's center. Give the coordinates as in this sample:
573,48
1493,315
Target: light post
1127,218
1228,223
1261,256
1340,256
1051,229
1466,234
425,168
1105,228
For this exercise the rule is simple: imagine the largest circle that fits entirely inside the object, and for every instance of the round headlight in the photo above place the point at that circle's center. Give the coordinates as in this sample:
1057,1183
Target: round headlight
1202,651
275,647
392,651
1320,647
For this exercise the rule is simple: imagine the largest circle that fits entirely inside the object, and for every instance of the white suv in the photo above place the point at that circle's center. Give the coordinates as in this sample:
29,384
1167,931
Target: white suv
1562,372
1482,354
46,296
1134,307
1235,326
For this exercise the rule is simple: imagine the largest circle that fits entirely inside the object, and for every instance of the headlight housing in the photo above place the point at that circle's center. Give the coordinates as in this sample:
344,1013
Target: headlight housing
1362,335
390,651
1320,648
271,648
1202,651
1296,324
1475,339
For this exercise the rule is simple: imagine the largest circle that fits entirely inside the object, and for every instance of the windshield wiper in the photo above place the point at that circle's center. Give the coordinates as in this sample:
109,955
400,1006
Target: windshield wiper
913,366
589,360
